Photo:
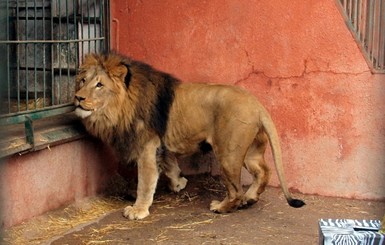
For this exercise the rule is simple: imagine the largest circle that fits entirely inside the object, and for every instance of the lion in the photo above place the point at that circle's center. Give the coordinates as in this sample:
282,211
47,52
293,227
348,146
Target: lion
150,117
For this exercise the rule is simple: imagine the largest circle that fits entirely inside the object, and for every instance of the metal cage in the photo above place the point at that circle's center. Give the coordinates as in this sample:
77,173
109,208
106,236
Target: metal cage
366,21
42,45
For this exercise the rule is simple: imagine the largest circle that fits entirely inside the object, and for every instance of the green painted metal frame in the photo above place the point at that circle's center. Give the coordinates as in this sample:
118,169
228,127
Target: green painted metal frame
28,117
16,118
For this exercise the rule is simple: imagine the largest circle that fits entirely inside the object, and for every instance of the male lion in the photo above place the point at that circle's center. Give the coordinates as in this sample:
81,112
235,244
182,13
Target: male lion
149,117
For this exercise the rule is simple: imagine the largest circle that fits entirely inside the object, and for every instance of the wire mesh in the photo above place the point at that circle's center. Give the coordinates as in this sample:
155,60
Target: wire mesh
43,44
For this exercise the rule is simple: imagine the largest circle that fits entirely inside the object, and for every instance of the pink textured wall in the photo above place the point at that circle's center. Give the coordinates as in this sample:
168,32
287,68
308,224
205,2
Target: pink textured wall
298,58
41,181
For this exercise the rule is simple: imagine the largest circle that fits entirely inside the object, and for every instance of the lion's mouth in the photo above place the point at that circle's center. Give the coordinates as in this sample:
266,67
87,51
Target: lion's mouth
83,112
83,108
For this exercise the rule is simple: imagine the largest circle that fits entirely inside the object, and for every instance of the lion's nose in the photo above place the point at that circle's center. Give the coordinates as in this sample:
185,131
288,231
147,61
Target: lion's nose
79,98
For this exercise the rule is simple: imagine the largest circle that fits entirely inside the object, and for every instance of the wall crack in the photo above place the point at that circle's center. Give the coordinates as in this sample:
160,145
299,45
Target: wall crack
305,71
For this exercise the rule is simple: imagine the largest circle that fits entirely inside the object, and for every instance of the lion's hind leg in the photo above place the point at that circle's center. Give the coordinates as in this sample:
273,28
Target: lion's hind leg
170,167
255,164
231,166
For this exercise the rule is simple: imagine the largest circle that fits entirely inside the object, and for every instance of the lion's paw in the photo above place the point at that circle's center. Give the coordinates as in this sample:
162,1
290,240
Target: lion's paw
216,206
135,213
180,185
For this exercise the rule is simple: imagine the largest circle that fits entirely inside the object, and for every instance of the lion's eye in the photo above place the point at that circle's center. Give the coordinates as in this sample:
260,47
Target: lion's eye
99,85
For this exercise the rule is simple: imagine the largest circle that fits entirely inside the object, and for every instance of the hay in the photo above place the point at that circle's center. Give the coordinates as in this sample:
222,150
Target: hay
51,226
15,144
190,225
106,242
96,236
38,103
160,238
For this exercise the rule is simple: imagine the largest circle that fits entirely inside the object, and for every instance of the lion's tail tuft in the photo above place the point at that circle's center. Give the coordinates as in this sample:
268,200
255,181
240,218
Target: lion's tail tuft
296,203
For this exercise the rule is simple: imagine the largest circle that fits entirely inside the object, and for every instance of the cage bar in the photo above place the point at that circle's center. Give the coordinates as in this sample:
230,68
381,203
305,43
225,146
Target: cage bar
8,61
44,43
366,21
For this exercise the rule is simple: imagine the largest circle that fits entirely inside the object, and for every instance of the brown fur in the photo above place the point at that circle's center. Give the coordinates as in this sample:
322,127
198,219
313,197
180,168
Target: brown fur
141,111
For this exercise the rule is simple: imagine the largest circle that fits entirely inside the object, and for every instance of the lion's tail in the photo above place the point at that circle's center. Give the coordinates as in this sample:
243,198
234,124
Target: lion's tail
272,134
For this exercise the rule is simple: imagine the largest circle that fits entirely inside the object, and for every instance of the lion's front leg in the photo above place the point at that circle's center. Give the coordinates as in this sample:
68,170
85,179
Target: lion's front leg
148,175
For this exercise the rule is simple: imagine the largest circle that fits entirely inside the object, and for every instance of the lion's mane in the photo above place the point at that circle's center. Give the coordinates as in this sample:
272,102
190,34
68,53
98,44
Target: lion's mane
139,106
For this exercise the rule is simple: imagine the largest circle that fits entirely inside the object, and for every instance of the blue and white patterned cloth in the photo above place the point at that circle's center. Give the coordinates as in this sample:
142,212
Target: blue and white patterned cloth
350,232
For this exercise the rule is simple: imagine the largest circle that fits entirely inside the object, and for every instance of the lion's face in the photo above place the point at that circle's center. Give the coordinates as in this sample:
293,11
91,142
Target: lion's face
98,87
94,90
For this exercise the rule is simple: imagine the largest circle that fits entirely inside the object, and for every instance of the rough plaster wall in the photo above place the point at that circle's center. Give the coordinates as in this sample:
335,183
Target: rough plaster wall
41,181
298,58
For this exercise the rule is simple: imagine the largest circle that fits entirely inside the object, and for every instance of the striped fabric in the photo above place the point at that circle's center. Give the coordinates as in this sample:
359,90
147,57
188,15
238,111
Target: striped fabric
350,232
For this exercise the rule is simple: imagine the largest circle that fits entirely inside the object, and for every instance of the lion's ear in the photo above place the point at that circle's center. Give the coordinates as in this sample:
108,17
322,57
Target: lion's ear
119,72
90,59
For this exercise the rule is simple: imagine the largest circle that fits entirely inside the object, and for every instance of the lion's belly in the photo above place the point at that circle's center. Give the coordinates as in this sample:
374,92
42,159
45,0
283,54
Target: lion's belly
183,148
184,139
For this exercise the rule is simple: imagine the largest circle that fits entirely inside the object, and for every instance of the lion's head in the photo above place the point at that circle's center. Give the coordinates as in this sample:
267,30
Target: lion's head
100,84
101,98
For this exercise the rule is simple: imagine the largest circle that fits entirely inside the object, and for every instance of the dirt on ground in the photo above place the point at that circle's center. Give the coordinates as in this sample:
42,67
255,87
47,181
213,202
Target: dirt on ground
185,218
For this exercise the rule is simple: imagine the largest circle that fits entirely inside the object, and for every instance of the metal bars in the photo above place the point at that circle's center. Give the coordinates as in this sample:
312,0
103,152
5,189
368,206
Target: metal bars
366,20
43,42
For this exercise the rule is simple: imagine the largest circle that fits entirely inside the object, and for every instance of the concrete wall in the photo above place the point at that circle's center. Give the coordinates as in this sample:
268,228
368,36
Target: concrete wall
298,58
37,182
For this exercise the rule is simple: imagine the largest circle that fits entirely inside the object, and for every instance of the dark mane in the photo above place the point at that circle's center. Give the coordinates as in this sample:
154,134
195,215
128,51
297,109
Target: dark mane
153,92
156,94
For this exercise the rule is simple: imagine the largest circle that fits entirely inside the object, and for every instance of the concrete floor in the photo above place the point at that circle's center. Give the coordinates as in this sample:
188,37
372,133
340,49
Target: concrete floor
185,218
